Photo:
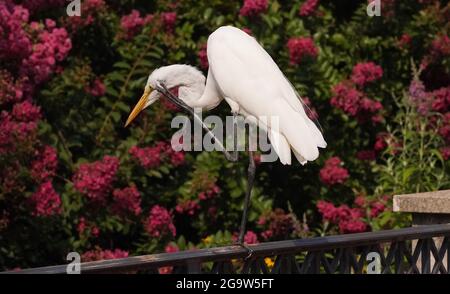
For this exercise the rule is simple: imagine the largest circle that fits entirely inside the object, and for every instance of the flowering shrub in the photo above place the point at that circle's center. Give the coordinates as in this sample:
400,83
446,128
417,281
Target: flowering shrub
73,179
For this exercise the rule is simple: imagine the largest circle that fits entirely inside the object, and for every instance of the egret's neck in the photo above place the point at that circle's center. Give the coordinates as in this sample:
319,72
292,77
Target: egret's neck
191,85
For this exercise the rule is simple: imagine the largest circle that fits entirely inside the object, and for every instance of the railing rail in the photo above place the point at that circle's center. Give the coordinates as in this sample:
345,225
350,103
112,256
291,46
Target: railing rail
409,250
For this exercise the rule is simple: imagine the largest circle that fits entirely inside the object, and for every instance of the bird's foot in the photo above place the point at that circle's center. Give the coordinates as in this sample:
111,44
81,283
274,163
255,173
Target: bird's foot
249,250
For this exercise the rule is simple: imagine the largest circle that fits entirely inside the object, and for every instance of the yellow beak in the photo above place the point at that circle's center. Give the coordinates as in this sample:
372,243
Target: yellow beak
139,106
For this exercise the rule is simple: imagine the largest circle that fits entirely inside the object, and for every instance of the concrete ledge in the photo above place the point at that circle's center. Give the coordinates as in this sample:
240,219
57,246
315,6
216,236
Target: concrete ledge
429,202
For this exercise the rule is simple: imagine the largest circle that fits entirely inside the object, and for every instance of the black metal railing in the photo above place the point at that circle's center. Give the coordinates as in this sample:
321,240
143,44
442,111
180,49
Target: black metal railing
416,250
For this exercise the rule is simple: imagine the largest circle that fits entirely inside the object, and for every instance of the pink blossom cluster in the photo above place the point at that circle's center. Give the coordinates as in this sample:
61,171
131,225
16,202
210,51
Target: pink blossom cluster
444,130
441,100
253,8
97,88
366,72
301,49
333,173
159,223
404,41
14,133
188,207
278,225
354,103
348,219
54,45
44,165
191,206
170,248
89,10
127,200
26,112
152,157
95,179
133,23
440,46
46,201
85,227
308,7
209,193
34,6
10,90
100,254
168,20
203,57
250,237
33,48
445,152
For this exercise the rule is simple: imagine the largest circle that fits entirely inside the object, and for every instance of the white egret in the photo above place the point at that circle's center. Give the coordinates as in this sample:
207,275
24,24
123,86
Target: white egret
243,74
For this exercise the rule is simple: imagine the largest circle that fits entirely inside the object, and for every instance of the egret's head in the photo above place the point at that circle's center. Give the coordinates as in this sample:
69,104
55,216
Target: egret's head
178,75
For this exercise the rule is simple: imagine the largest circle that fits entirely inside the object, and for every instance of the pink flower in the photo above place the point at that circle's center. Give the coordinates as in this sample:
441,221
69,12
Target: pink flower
97,88
169,19
352,226
209,193
149,157
126,200
250,238
133,23
95,231
100,254
308,7
366,72
346,98
152,157
189,207
376,209
332,173
40,5
381,142
354,103
248,31
13,133
203,57
170,248
301,49
82,225
26,112
159,223
44,166
441,100
445,152
95,179
253,8
46,201
348,219
360,201
54,45
404,41
440,46
10,89
90,9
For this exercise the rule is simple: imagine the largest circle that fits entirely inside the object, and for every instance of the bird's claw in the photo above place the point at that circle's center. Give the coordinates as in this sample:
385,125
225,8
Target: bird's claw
249,250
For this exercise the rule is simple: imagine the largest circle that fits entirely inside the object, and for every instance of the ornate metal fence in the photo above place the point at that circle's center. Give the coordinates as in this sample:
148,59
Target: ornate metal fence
417,250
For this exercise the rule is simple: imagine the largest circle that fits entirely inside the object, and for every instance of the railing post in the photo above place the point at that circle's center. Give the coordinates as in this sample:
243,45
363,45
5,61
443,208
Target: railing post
427,209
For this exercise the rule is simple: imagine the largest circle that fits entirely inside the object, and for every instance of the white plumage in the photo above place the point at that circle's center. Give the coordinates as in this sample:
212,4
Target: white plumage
246,76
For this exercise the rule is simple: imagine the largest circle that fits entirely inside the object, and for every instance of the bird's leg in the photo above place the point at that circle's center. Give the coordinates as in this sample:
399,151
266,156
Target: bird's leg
180,103
248,192
235,154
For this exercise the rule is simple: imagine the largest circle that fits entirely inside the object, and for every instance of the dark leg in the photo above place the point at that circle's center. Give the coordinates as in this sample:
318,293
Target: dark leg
250,180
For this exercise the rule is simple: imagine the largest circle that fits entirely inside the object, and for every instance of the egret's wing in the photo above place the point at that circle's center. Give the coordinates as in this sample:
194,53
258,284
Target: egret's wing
245,73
